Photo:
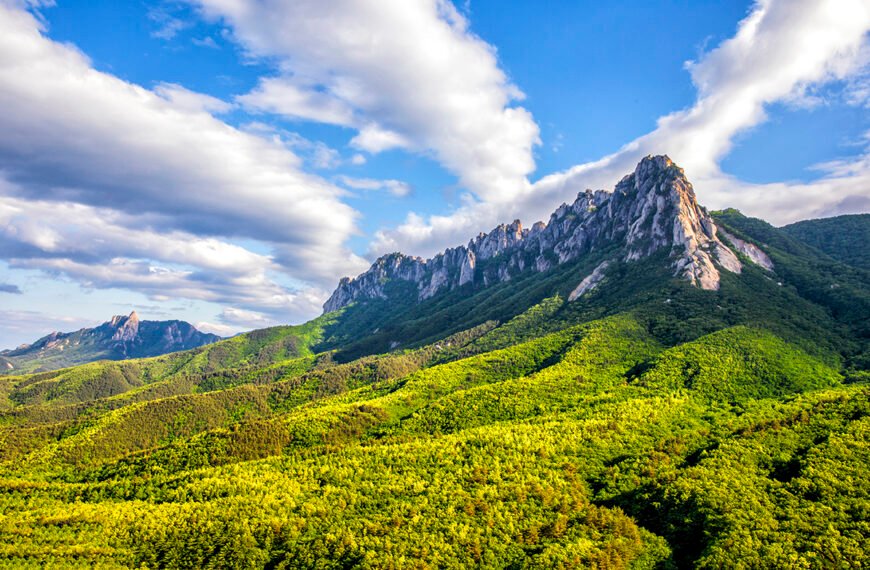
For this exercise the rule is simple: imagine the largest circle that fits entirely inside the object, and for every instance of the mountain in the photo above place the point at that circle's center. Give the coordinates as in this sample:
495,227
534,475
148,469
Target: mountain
120,338
653,209
637,383
605,253
844,238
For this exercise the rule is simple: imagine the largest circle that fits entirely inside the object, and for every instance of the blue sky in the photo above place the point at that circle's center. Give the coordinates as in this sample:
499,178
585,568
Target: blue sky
226,161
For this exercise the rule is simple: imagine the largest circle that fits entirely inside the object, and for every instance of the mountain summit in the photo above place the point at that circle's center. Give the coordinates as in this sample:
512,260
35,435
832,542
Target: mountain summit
127,328
119,338
651,210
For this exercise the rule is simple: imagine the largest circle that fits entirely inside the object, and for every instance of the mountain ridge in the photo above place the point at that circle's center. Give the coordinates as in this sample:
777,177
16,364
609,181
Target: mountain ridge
843,238
119,338
651,209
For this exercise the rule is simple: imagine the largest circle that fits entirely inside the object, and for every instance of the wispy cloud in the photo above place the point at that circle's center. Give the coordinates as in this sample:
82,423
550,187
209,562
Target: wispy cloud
167,25
397,188
316,154
206,42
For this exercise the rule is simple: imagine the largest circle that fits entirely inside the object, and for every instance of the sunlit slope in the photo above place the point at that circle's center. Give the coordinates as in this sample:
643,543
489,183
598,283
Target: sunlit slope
594,445
648,424
238,360
89,433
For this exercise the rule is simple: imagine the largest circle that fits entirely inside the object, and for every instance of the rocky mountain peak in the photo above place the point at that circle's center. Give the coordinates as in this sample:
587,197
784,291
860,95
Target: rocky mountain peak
666,213
127,327
651,209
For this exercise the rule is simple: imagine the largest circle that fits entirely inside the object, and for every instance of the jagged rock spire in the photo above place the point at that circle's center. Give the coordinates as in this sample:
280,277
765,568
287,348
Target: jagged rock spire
128,327
651,209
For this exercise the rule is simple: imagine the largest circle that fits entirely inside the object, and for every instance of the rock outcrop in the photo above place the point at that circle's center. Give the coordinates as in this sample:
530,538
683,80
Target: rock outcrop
590,282
750,250
650,210
127,328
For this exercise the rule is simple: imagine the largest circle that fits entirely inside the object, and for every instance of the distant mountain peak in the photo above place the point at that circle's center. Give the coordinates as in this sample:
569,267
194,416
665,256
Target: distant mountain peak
651,209
118,338
120,320
127,327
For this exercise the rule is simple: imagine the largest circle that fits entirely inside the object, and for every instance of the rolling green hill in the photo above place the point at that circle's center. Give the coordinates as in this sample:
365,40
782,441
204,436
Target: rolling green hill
650,422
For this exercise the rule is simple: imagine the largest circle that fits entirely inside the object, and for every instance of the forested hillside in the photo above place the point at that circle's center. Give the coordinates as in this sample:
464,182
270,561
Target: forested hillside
648,423
594,445
844,238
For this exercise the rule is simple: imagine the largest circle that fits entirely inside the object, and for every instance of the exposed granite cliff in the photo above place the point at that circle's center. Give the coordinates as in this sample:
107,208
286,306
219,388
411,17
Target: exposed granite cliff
750,250
651,209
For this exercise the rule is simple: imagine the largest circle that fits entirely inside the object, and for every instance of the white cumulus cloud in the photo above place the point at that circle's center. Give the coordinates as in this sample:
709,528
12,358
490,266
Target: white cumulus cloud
73,134
403,73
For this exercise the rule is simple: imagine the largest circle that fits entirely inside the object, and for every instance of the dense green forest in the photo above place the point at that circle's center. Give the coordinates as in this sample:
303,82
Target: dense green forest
844,238
649,424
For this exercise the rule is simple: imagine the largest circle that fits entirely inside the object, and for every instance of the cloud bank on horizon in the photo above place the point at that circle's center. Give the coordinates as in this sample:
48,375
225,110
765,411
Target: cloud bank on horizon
111,185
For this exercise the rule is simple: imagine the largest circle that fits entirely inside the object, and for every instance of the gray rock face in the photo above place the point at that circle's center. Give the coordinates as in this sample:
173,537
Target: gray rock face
750,250
652,209
590,282
126,327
